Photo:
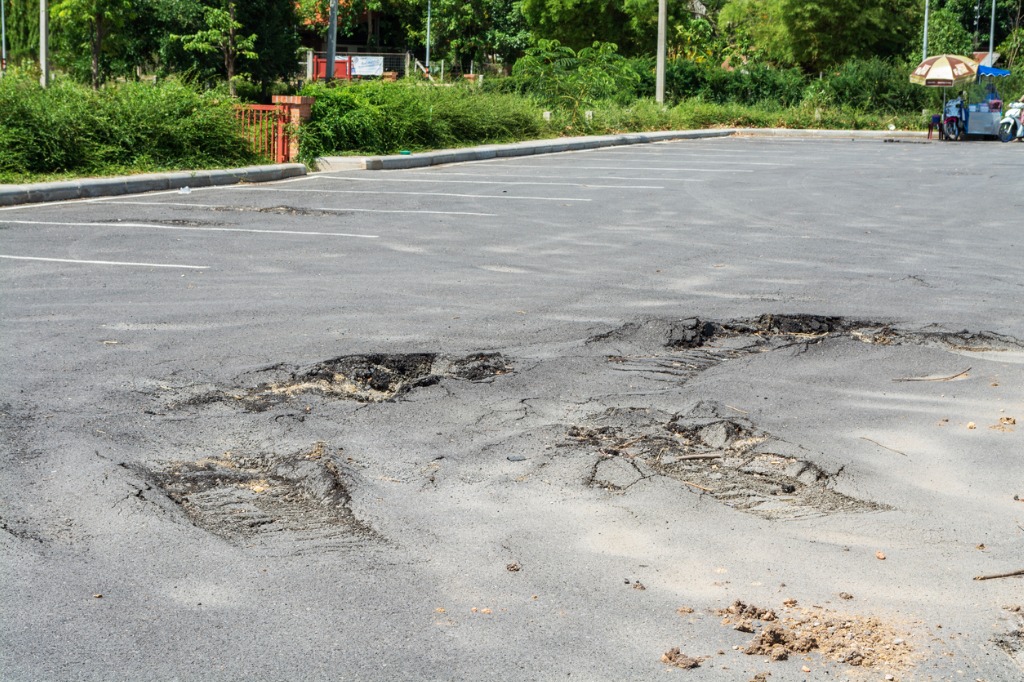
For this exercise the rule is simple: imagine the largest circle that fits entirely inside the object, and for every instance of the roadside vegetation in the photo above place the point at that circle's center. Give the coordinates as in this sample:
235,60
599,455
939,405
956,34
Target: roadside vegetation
70,130
145,85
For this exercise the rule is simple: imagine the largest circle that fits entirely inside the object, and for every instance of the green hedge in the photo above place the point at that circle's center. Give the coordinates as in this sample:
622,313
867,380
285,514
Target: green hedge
382,118
131,127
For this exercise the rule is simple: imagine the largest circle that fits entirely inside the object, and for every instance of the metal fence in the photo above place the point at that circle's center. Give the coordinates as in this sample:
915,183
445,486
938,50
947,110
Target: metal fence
394,64
265,126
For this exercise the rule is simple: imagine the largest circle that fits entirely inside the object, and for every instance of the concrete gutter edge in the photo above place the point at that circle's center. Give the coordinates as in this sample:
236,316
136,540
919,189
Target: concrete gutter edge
565,144
86,188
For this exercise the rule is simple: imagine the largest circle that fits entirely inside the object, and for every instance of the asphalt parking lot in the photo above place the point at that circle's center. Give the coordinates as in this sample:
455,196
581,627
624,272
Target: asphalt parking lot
531,419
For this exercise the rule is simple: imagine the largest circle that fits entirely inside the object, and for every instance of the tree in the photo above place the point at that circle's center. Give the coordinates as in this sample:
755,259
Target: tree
90,24
222,36
579,23
754,30
22,30
946,35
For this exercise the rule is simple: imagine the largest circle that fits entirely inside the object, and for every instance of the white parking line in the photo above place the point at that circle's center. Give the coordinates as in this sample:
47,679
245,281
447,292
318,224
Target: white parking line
430,194
631,168
493,182
491,174
184,227
108,262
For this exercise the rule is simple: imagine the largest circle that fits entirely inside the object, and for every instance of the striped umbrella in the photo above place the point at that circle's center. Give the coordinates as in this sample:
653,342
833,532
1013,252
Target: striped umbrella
945,71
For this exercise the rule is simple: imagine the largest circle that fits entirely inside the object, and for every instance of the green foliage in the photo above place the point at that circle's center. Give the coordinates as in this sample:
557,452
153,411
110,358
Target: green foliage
578,23
874,85
86,32
380,118
568,79
750,85
22,30
68,128
221,35
946,35
827,32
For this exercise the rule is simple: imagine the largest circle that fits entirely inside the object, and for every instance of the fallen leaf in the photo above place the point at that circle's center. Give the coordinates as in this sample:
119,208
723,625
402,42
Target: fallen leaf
789,602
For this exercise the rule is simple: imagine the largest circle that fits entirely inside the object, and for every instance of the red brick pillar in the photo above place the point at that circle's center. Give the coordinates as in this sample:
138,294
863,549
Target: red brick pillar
297,111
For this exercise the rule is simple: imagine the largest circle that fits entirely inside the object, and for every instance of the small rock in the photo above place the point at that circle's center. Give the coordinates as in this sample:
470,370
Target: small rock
845,595
806,669
516,458
680,660
880,556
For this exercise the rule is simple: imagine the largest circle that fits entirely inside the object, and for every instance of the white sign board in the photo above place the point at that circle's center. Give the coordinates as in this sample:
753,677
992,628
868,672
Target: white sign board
367,66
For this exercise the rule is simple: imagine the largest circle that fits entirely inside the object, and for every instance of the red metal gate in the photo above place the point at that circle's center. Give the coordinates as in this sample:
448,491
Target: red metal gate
266,128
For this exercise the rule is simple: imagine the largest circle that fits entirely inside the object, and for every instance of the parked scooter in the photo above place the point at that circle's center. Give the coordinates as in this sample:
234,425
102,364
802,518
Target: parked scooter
953,119
1011,127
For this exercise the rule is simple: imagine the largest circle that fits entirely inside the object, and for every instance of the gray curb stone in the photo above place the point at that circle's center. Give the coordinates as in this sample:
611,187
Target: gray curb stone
87,188
434,158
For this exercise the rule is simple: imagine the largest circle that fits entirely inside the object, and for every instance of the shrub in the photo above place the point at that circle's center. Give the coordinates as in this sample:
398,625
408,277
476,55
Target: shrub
872,85
750,84
380,118
68,128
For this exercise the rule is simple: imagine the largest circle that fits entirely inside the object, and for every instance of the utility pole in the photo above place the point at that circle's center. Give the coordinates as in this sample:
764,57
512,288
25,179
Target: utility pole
428,36
3,39
332,41
44,50
992,35
924,49
659,78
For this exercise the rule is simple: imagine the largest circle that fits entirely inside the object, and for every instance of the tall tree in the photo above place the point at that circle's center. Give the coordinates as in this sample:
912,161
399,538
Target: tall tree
22,30
90,24
222,35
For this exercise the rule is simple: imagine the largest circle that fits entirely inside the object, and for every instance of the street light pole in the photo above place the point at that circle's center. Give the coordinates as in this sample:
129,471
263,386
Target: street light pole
924,49
992,35
428,36
3,39
332,41
44,51
659,78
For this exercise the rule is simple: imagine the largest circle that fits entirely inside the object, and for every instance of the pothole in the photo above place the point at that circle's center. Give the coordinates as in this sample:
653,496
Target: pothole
371,378
239,497
725,457
771,330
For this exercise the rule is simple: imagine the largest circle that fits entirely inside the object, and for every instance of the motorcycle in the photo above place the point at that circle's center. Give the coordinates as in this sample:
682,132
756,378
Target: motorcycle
953,120
1011,127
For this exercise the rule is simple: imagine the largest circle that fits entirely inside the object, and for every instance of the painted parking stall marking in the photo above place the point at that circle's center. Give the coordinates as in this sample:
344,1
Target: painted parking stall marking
106,262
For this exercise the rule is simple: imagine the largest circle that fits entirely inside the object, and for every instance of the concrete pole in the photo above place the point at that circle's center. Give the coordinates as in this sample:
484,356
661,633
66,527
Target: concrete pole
428,36
924,49
3,39
44,50
992,35
332,41
659,78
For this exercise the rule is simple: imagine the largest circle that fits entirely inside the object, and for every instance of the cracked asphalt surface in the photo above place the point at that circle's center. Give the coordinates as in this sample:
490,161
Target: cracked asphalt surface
529,419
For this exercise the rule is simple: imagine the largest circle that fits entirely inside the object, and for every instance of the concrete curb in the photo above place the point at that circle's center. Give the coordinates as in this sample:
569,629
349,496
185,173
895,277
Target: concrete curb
442,156
11,195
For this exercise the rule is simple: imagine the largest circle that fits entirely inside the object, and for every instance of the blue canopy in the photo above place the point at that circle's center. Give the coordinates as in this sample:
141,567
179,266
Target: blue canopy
992,71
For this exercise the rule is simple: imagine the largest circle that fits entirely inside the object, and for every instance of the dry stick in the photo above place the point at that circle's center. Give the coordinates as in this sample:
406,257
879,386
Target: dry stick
999,575
883,446
949,378
737,409
687,457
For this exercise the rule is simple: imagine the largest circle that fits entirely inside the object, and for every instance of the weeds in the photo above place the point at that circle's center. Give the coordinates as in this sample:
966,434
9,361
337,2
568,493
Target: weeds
68,129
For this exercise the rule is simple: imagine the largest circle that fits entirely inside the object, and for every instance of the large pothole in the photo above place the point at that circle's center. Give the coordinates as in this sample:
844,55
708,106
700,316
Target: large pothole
712,453
239,497
371,378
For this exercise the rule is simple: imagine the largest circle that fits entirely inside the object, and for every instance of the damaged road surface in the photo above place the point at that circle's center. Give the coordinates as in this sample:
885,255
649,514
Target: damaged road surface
584,416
